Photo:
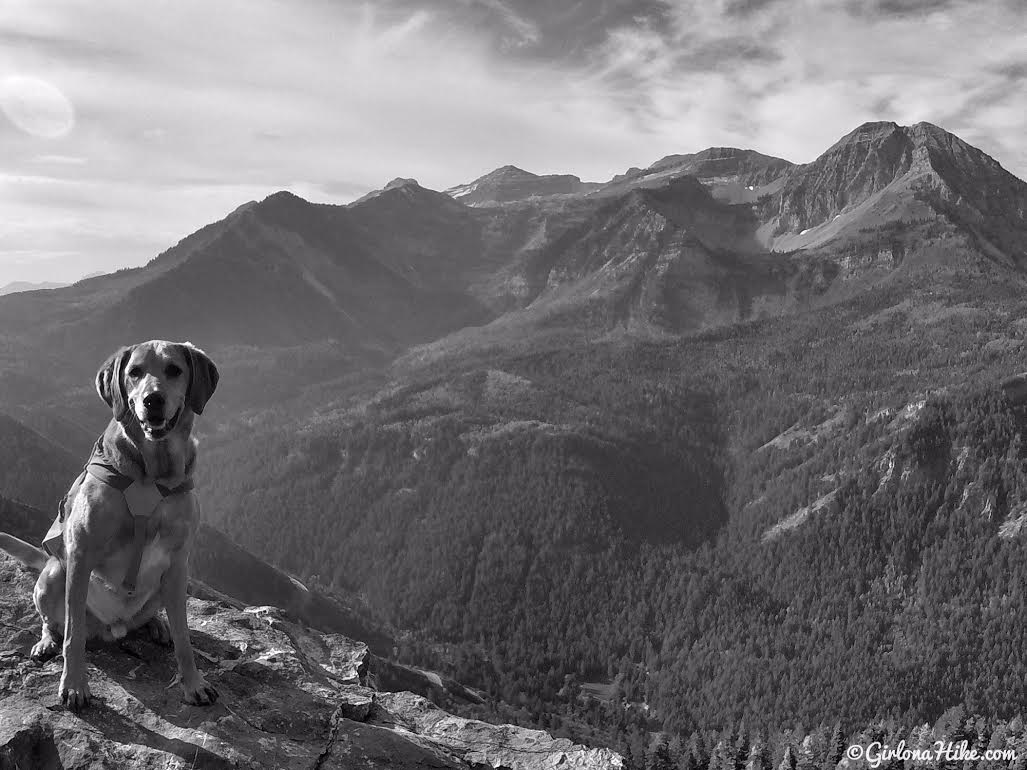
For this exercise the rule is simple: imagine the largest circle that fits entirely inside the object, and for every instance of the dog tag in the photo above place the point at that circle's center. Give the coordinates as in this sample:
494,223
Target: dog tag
142,499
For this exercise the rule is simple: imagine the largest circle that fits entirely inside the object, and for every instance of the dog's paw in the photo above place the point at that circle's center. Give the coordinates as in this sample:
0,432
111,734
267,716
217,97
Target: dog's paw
74,692
198,692
158,630
44,650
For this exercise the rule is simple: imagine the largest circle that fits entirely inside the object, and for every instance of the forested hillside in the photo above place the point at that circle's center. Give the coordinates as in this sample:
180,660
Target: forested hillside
785,522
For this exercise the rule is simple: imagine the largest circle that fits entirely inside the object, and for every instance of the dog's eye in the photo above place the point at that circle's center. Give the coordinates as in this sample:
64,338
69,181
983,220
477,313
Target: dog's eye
172,371
135,372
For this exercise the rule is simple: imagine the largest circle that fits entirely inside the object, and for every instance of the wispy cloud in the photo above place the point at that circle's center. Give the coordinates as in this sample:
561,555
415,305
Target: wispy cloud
184,111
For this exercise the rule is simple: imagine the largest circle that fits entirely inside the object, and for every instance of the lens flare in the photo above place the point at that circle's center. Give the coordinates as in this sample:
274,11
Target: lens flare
36,107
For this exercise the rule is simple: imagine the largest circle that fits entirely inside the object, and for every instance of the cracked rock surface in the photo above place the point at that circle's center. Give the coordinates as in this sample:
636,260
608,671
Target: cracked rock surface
290,697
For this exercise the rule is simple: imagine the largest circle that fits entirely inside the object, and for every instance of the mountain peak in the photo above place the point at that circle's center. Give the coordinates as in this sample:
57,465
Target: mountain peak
883,173
401,182
510,183
404,185
870,132
282,198
511,171
717,153
877,125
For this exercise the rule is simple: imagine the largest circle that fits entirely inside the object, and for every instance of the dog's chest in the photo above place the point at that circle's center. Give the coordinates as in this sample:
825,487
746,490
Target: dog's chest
109,600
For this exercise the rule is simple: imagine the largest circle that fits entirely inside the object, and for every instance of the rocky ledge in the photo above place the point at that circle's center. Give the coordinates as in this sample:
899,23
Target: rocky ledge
290,697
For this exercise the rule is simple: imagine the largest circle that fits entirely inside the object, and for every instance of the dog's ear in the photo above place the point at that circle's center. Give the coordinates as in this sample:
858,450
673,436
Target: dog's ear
203,378
110,383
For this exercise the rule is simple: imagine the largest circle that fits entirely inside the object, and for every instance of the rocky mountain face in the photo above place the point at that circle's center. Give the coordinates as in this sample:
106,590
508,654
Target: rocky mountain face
731,174
290,697
883,173
859,165
668,259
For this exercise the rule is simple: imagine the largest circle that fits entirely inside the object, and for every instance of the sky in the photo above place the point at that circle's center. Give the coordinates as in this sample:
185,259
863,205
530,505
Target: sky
127,125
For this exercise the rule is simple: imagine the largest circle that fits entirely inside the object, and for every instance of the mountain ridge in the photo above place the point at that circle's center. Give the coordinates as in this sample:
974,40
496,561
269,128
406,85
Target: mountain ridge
408,266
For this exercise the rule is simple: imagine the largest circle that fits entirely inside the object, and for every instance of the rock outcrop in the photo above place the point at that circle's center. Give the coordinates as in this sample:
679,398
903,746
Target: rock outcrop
290,697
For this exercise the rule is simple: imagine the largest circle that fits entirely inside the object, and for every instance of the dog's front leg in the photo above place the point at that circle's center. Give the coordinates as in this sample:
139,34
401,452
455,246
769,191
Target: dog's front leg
173,591
74,687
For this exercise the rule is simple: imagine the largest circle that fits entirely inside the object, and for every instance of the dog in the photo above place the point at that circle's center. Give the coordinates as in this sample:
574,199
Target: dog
118,551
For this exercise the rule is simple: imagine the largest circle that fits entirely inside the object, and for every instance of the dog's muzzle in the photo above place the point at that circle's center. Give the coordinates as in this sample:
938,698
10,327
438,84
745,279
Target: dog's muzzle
156,429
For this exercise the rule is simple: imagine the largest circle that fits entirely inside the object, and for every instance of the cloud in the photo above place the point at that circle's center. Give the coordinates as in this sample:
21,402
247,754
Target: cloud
182,115
525,32
897,7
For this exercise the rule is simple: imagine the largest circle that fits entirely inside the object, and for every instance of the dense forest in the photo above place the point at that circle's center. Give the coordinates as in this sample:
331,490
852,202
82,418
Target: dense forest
781,523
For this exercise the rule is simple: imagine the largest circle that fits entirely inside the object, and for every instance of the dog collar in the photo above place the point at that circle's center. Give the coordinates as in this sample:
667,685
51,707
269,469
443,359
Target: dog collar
146,495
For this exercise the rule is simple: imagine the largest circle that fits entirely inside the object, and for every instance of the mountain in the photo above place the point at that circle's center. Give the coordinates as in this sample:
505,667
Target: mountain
510,183
276,272
731,174
883,173
16,286
33,469
345,289
725,235
734,175
277,287
877,175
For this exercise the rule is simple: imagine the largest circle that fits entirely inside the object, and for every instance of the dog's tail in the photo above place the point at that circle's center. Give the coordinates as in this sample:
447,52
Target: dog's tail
26,553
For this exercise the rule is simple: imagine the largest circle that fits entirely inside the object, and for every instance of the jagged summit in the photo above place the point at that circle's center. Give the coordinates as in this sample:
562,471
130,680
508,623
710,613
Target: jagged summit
510,172
884,172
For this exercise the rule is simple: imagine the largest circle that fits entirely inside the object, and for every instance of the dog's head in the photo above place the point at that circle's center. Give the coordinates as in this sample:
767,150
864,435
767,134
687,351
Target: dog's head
155,382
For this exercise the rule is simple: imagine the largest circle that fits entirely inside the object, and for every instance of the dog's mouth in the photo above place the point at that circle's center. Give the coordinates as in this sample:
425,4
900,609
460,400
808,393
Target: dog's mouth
156,427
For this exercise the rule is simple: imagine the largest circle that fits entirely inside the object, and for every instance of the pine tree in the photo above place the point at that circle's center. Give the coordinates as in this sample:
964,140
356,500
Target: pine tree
788,760
722,757
835,748
698,751
659,757
759,756
741,752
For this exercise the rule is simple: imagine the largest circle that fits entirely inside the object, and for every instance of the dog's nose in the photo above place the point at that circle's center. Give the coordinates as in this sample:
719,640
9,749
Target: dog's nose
153,402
